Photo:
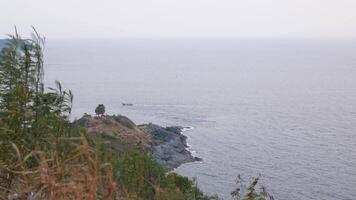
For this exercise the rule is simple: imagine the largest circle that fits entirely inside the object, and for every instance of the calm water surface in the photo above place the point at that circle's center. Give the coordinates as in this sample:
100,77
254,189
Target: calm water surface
285,109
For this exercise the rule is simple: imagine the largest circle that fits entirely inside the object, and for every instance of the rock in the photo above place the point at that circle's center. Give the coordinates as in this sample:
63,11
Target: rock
168,145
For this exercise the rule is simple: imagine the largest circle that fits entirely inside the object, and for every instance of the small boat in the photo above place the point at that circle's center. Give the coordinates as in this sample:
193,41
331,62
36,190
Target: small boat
127,104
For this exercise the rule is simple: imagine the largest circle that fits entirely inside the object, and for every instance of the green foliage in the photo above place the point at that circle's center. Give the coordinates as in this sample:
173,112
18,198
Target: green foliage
143,178
100,109
41,152
189,188
124,121
29,116
81,121
107,122
139,173
251,193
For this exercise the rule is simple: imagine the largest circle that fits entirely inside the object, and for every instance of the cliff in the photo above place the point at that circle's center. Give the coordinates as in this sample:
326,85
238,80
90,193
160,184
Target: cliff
167,144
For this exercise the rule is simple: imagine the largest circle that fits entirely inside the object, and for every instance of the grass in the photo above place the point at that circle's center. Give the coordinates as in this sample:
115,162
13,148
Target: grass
43,156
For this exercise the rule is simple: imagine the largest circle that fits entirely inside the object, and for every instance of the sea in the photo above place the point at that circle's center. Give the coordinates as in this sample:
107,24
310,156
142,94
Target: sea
280,109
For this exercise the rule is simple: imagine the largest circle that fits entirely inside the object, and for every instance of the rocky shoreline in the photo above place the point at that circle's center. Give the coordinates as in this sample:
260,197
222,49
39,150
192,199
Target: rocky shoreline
169,145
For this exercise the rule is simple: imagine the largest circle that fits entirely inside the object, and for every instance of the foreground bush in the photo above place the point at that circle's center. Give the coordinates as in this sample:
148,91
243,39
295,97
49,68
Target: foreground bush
45,156
41,155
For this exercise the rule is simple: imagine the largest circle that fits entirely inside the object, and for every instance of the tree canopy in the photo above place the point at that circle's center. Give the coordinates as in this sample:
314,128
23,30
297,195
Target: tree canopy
100,109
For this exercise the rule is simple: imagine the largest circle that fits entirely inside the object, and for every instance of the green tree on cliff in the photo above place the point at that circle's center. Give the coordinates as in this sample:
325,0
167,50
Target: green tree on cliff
100,109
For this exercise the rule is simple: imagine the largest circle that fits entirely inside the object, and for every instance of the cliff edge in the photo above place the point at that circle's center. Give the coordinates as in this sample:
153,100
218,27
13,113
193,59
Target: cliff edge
167,144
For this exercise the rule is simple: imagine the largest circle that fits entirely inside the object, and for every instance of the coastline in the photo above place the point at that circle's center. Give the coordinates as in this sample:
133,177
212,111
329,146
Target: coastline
169,145
189,146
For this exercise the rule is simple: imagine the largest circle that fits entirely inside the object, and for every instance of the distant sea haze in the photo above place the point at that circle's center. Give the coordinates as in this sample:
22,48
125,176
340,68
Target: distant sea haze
285,109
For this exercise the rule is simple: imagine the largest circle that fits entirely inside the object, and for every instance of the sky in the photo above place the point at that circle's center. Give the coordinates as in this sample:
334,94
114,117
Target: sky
181,18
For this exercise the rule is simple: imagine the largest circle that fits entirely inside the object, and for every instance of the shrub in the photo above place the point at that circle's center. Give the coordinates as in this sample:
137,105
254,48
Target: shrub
124,121
250,193
42,155
107,122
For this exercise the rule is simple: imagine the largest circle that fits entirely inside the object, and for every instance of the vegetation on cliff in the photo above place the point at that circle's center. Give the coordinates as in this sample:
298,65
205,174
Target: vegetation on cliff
42,156
45,156
167,144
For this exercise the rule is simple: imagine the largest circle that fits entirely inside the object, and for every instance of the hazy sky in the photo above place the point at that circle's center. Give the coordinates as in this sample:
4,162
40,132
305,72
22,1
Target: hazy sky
180,18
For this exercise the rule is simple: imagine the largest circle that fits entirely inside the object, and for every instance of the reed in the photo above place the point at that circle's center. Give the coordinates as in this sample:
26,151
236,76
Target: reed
42,155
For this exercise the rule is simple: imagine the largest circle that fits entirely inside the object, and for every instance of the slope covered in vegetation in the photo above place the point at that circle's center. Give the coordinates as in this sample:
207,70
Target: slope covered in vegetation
119,132
167,144
45,156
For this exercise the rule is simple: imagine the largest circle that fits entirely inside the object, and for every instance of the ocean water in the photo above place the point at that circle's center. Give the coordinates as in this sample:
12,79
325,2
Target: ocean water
285,109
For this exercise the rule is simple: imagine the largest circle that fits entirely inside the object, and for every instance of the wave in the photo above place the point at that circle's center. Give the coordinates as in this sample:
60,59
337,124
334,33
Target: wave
189,147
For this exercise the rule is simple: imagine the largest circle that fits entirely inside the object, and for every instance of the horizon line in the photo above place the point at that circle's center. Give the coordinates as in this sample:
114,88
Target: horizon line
195,38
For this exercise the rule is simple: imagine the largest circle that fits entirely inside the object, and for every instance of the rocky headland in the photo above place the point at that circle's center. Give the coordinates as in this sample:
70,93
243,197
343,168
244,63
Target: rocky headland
167,144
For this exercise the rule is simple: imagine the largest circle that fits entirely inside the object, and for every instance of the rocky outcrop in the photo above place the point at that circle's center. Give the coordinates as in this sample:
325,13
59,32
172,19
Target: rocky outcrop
117,131
169,145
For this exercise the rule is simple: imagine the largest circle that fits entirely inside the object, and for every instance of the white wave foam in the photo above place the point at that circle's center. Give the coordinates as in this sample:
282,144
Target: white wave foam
187,128
189,147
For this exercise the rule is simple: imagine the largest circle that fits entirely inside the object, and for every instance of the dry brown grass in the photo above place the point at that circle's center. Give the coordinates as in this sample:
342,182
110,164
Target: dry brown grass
109,126
79,176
